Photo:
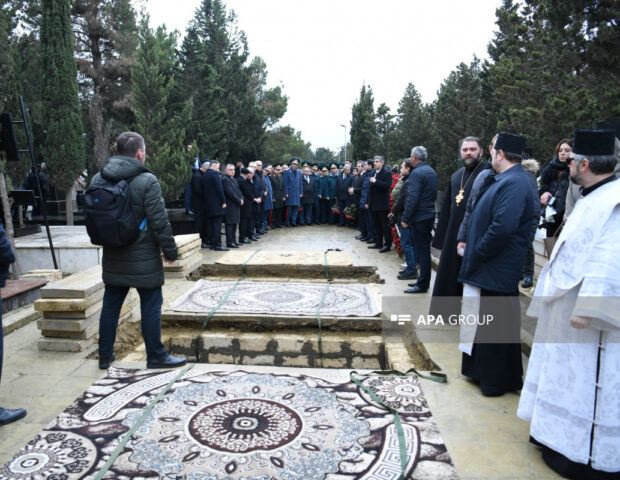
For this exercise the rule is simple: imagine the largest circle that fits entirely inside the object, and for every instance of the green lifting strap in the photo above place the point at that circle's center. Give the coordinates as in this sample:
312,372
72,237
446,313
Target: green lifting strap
217,307
435,377
320,305
147,411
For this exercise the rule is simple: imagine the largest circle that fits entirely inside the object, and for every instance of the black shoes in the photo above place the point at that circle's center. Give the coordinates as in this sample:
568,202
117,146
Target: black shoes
416,289
9,416
232,245
169,361
359,237
374,246
527,282
370,240
254,238
204,245
245,241
104,363
407,275
384,249
219,249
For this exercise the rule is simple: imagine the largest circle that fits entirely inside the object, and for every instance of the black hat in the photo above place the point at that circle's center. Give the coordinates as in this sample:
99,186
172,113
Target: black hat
510,143
594,142
244,171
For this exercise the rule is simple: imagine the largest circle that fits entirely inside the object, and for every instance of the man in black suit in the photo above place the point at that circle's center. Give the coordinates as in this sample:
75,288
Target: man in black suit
197,203
379,204
343,183
247,190
214,204
307,201
234,201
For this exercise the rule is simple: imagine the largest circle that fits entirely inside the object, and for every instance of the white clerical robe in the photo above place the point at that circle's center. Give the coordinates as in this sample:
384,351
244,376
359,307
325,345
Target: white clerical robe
560,396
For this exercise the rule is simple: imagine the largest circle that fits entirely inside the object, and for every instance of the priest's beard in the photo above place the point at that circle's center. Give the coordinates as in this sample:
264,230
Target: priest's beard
471,162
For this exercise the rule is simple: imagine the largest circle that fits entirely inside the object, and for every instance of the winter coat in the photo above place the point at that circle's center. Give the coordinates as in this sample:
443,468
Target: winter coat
379,193
366,187
247,190
499,231
292,187
399,206
554,179
421,194
233,196
212,193
277,188
139,265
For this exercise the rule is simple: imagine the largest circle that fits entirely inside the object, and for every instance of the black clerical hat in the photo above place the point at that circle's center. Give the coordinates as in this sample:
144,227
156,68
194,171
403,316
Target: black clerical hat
509,142
594,142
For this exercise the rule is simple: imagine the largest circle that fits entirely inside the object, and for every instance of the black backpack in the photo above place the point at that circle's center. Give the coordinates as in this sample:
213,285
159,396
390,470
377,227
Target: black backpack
109,217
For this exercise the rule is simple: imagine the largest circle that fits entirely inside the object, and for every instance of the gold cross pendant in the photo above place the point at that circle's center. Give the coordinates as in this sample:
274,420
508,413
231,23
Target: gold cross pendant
459,197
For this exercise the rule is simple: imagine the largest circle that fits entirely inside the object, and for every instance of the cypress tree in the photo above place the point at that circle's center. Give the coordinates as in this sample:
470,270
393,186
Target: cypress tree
64,142
158,119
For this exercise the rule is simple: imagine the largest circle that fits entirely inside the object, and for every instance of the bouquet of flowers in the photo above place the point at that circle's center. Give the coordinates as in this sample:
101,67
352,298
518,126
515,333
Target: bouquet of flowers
395,237
350,212
335,209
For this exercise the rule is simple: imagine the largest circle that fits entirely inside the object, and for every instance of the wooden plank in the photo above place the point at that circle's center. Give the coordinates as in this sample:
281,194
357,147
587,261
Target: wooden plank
188,248
67,304
78,285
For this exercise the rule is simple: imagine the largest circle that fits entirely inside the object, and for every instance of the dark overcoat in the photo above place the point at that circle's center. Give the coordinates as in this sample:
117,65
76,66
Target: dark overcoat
366,188
247,190
212,193
357,188
233,195
499,232
379,192
277,188
196,199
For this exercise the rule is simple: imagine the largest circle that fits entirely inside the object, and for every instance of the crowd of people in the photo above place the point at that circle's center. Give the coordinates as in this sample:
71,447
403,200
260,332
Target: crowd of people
489,217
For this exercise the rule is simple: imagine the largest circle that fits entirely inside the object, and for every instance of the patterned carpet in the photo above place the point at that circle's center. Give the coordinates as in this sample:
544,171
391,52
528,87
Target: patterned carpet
280,298
238,426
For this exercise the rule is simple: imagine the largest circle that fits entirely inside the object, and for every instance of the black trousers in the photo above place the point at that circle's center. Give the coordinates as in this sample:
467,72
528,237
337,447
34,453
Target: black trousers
215,230
422,245
231,230
276,217
199,225
383,233
244,231
361,219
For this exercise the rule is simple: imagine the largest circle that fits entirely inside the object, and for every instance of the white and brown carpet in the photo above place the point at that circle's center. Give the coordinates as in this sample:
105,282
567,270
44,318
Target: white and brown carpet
238,425
281,298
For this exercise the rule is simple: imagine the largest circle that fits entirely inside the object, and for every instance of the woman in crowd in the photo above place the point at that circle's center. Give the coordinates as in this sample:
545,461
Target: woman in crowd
554,185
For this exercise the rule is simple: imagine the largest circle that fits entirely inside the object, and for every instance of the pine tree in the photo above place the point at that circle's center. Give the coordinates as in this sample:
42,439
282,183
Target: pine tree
363,129
64,143
414,123
156,118
458,112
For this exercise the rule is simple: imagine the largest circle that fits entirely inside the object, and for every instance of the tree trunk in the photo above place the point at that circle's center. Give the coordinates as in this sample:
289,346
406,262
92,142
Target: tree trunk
8,222
69,205
101,131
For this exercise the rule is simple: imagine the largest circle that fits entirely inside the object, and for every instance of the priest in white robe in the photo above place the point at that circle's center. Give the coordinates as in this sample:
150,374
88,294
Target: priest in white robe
571,393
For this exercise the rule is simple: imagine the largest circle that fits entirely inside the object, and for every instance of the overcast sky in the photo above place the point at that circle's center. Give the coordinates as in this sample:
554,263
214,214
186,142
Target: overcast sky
323,51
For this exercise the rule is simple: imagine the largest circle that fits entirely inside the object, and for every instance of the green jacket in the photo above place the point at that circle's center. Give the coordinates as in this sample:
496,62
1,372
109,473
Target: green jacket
139,265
